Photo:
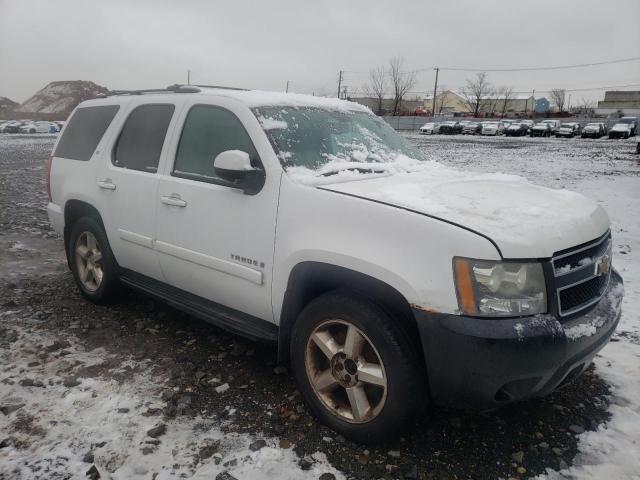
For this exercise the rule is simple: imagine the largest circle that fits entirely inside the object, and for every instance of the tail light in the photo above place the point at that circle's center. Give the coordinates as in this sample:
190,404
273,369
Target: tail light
49,162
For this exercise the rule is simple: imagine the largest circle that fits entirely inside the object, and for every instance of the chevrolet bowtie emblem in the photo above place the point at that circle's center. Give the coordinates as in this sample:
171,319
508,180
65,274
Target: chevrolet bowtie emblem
603,265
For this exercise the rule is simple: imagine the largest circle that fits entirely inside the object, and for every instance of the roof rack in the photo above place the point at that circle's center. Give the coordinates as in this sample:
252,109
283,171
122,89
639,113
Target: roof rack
170,89
222,88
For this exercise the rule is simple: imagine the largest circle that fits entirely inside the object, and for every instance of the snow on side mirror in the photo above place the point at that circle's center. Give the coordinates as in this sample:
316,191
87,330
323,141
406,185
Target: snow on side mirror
235,166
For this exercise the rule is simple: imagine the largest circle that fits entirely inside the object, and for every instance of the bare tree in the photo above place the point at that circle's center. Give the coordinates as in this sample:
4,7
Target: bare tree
401,82
585,107
377,86
507,94
476,91
558,97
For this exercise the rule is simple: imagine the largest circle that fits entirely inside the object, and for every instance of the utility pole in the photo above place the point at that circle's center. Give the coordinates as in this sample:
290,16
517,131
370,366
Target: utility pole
435,89
533,109
339,82
287,89
569,104
188,77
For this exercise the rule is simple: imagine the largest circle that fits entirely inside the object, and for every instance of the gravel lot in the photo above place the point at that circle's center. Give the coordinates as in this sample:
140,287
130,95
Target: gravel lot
172,369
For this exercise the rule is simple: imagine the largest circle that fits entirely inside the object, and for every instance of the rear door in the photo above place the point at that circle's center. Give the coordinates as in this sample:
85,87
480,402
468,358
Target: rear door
213,240
128,184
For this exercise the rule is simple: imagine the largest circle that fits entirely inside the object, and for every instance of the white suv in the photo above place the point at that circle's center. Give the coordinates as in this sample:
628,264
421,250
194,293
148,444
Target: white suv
389,282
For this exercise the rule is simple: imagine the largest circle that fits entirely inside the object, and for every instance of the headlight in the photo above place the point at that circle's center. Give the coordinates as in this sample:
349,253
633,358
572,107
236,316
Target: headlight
499,289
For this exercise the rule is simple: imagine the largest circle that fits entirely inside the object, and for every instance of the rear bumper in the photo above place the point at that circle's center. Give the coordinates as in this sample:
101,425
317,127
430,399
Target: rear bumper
56,218
483,364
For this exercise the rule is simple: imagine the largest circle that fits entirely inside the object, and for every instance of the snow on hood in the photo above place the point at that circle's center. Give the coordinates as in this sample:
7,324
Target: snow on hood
620,126
525,220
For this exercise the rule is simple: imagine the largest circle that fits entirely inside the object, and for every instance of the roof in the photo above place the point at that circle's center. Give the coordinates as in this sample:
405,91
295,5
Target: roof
255,98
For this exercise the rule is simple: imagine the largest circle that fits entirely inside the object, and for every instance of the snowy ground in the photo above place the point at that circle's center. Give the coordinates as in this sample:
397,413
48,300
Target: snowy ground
612,177
84,387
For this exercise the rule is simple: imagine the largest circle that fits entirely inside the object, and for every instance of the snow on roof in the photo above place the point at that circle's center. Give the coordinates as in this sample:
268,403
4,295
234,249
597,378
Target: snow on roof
259,98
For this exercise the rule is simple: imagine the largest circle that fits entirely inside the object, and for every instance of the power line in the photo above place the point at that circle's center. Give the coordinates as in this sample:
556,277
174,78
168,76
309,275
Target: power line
531,69
515,69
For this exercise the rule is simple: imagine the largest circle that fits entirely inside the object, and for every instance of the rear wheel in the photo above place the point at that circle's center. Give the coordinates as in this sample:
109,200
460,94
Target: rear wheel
92,263
356,368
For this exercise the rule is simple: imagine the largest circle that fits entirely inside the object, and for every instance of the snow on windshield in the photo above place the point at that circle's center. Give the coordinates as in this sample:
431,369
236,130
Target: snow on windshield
320,141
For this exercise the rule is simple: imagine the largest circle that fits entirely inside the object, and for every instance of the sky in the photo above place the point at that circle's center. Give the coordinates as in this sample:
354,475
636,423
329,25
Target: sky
264,44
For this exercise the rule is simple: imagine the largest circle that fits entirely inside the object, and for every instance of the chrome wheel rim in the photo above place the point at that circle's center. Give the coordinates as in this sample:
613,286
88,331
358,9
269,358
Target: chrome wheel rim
346,371
89,261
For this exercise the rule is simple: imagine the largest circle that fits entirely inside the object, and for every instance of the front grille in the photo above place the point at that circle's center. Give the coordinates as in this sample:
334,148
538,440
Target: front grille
583,293
582,274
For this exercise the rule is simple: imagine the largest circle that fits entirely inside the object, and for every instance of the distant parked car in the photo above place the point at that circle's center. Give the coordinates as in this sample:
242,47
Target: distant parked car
472,128
553,125
593,130
516,130
568,130
541,129
492,128
632,122
620,130
450,128
528,123
12,126
38,127
429,128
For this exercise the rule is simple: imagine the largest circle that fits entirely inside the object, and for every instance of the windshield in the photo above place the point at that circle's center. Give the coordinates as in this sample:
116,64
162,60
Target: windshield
566,125
314,137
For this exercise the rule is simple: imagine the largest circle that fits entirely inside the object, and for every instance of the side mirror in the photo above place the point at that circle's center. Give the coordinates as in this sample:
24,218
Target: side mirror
235,166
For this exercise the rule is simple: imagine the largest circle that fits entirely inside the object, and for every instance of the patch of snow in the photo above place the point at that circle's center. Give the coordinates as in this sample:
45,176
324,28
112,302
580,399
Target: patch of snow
222,388
506,208
272,124
259,98
108,420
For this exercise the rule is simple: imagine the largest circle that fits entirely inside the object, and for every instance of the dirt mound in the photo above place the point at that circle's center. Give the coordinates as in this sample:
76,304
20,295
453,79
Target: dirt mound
61,97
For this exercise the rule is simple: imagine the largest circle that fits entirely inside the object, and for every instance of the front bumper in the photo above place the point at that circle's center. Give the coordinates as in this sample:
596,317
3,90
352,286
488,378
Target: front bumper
485,363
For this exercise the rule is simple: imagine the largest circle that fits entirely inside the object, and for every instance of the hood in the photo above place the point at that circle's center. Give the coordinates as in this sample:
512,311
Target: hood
620,127
523,219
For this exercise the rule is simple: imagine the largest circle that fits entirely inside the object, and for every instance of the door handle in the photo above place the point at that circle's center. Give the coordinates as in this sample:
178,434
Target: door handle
107,184
173,200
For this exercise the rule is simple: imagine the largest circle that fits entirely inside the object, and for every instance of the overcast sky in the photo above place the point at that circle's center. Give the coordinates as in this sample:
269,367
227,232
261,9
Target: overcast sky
262,44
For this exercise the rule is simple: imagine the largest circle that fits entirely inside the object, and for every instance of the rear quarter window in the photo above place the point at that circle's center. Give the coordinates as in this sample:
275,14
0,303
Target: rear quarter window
84,131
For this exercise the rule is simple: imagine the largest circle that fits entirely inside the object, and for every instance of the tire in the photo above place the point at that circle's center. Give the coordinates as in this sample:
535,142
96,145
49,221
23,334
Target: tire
32,131
391,406
95,287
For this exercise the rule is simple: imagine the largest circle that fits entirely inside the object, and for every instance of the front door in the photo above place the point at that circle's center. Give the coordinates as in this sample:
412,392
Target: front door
213,240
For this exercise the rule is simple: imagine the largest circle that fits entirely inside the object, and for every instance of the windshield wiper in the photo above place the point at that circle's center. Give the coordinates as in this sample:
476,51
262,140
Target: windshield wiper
353,169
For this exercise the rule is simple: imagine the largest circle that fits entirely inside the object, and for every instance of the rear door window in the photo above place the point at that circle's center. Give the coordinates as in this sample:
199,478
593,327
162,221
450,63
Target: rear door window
140,142
84,131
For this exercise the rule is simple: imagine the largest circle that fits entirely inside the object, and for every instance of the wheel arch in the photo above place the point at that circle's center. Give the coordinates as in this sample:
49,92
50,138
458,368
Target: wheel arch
73,210
309,279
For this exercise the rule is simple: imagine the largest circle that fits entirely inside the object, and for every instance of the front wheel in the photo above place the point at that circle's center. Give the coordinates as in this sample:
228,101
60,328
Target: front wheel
357,369
92,263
